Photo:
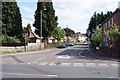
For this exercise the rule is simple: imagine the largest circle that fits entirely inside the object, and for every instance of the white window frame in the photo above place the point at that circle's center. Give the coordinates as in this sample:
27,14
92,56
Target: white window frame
112,21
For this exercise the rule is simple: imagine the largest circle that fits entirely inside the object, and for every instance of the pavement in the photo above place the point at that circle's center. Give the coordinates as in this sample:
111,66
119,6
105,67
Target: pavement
91,53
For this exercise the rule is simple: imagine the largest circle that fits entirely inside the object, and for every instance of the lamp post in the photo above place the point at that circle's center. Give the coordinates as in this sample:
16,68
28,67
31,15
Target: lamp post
89,33
44,8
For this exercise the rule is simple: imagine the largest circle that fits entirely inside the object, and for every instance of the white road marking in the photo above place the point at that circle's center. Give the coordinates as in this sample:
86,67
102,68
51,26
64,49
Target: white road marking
103,65
14,62
90,64
78,64
65,64
21,74
28,63
43,63
54,64
51,75
39,59
114,65
21,63
64,56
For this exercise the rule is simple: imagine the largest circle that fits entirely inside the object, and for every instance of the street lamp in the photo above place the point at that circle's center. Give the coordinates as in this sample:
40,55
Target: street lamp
88,33
44,8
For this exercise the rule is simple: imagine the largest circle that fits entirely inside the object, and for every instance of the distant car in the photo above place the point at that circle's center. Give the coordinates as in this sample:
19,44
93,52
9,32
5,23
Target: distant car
71,44
63,45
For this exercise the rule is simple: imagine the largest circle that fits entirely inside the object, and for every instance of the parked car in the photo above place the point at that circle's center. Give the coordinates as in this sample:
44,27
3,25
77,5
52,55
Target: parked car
71,44
63,45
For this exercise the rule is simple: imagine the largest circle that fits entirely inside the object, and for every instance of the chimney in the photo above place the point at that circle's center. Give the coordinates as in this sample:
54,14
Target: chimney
119,4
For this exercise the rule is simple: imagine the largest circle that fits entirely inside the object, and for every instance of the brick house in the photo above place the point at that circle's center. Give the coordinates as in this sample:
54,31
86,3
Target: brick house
114,19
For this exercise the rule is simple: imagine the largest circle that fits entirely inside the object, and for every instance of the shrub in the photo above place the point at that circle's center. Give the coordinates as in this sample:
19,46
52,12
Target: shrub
8,39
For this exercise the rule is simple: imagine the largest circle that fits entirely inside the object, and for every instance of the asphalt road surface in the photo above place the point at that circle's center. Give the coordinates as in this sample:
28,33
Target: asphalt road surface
58,63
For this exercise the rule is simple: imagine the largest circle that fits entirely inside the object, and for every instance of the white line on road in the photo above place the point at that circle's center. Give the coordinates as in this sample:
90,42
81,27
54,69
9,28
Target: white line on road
28,63
64,57
54,64
21,74
65,64
39,59
90,64
43,63
78,64
114,65
51,75
103,65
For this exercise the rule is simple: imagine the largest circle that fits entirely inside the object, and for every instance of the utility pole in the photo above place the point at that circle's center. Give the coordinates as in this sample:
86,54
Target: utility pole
41,13
40,29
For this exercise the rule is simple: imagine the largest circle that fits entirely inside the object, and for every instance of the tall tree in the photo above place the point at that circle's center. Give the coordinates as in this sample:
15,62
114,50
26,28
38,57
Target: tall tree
68,31
49,20
97,19
11,19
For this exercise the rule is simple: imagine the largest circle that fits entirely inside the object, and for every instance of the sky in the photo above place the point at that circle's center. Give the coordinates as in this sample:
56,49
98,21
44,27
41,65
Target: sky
74,14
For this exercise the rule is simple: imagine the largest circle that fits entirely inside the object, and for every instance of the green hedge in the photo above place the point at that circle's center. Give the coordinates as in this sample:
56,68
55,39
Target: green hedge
8,39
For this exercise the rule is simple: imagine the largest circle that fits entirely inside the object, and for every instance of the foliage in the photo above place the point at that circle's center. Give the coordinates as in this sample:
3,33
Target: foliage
49,20
68,31
7,39
58,33
97,35
97,19
114,32
7,52
11,19
26,29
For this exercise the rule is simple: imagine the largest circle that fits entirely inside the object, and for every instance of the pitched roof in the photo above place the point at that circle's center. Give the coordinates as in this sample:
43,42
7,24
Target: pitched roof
31,34
116,11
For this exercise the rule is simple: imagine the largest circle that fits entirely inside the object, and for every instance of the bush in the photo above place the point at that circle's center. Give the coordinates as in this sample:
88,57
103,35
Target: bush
97,36
7,39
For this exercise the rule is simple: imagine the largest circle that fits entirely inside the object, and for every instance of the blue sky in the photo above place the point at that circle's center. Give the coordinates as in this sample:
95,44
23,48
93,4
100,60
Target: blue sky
74,13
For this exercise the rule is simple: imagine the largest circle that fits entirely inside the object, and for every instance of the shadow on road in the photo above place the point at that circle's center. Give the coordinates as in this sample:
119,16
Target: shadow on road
95,56
77,53
70,52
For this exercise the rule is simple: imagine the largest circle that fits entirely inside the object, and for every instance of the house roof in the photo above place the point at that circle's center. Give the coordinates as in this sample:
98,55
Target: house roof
51,37
116,11
31,34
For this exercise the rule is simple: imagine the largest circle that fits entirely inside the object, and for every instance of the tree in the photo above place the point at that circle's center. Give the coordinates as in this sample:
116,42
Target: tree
58,33
114,32
11,19
26,29
49,20
68,31
97,36
97,19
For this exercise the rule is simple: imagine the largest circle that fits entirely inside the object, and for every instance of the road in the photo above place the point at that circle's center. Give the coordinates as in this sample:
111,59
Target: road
58,63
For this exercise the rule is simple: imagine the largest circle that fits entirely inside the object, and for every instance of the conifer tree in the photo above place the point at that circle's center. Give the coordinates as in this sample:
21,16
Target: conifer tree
11,19
49,20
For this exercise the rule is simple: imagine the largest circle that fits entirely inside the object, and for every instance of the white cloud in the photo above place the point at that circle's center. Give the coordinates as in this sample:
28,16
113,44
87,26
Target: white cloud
25,8
77,13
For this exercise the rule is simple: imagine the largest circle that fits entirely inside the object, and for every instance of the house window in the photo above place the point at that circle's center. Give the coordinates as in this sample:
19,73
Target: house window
108,23
106,26
112,21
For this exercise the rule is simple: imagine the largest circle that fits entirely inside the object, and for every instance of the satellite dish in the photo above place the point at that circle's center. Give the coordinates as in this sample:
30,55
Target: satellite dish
119,4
